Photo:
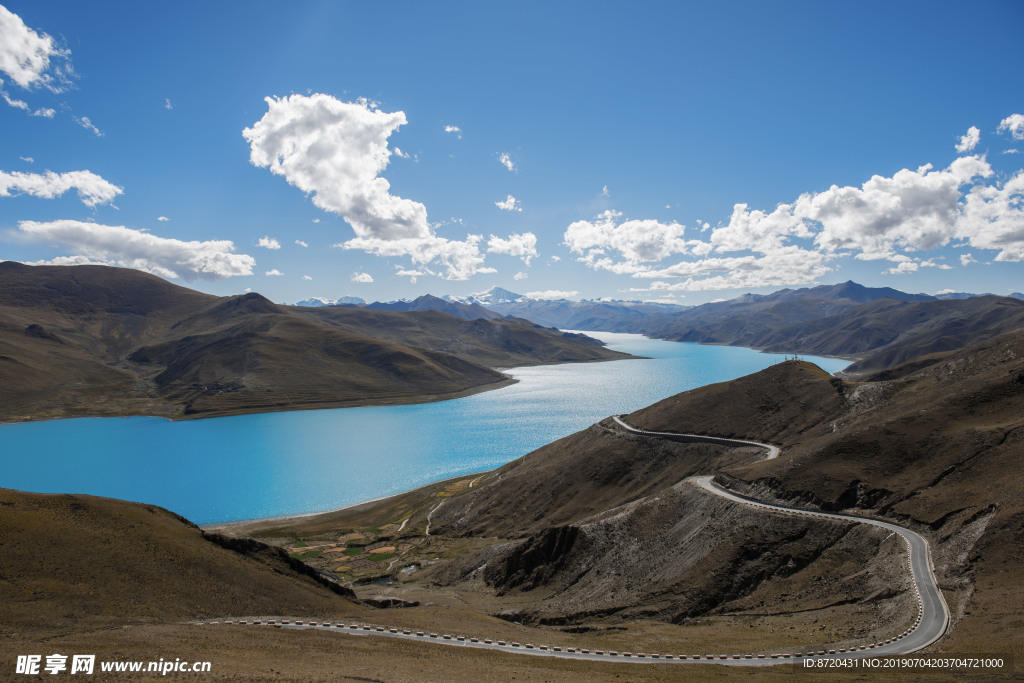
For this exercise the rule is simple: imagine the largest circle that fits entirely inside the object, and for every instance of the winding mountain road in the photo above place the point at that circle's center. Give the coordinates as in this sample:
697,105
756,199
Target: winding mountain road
932,618
929,623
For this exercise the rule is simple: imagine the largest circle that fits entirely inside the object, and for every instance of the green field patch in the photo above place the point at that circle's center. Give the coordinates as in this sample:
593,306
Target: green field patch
309,554
377,557
355,550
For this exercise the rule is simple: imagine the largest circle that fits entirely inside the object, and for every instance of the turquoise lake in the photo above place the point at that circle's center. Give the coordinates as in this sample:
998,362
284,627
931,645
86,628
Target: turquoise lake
271,464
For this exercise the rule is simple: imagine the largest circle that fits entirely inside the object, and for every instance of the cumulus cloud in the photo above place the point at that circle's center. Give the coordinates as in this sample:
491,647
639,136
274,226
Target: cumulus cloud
28,160
506,160
522,245
118,245
1014,125
167,103
163,219
301,243
509,204
969,141
274,272
967,259
335,151
29,58
91,188
605,192
551,294
454,129
992,217
306,277
520,276
886,218
268,242
912,209
362,277
637,241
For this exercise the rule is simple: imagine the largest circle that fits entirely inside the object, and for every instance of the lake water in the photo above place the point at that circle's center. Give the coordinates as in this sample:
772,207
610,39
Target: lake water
249,466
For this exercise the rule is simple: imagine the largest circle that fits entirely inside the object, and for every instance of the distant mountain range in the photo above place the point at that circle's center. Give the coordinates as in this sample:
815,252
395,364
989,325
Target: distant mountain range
96,340
878,326
318,301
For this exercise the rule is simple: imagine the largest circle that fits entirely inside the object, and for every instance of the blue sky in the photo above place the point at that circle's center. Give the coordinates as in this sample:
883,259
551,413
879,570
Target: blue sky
662,151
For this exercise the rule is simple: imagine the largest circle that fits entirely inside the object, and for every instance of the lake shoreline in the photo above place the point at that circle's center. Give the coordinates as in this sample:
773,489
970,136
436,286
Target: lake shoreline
309,462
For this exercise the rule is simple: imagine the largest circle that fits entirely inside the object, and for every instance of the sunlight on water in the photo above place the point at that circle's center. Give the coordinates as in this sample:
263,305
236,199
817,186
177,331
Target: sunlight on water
272,464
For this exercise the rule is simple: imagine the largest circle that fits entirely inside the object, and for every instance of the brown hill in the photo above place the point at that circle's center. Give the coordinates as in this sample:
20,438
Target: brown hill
77,563
601,529
95,340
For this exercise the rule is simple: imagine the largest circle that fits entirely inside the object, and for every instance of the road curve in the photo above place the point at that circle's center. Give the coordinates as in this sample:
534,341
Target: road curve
932,618
929,624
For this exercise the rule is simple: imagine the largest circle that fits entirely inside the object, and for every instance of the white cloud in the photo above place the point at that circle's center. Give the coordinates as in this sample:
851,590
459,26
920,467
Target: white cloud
891,218
509,204
316,220
28,160
268,242
555,259
84,122
784,266
306,277
969,141
301,243
637,241
25,56
605,192
520,276
336,151
399,153
506,161
14,102
362,277
1014,125
523,245
67,261
551,294
454,129
1011,151
118,245
993,218
905,264
967,259
274,272
163,219
413,275
167,103
92,189
911,210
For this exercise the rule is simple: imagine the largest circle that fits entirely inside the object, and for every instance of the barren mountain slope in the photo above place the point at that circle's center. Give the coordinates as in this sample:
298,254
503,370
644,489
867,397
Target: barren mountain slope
939,449
76,563
603,527
95,340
